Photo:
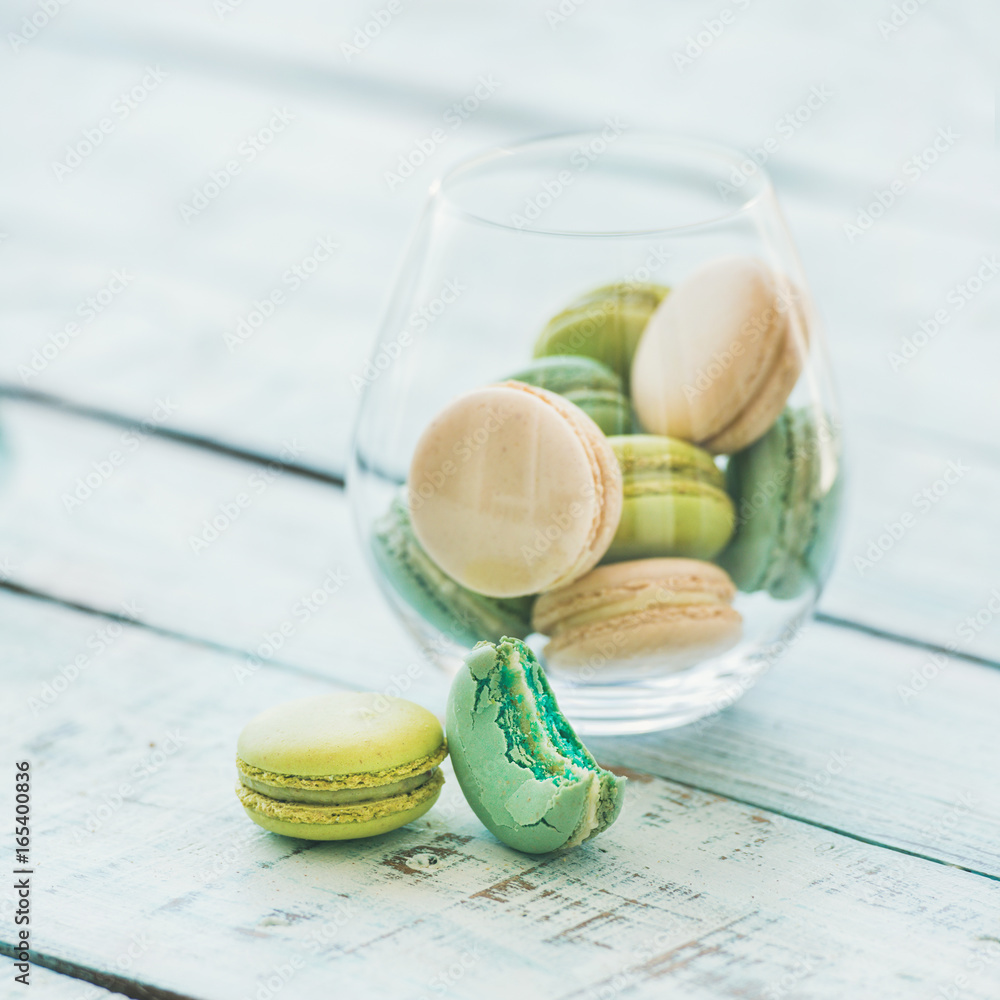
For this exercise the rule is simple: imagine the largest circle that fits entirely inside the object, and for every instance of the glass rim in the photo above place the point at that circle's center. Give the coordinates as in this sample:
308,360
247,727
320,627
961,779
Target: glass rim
439,190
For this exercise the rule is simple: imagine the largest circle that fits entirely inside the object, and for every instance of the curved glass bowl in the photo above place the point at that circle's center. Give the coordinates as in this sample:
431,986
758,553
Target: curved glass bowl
509,246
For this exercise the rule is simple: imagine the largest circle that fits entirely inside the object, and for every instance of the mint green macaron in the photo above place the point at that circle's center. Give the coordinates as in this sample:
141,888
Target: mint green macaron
787,488
521,767
588,383
340,766
464,616
675,500
605,324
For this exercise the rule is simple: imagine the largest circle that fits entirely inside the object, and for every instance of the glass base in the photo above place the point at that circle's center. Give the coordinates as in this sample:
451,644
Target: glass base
661,703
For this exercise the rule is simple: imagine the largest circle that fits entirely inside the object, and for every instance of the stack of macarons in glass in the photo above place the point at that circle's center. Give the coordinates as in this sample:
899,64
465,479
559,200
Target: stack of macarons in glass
616,492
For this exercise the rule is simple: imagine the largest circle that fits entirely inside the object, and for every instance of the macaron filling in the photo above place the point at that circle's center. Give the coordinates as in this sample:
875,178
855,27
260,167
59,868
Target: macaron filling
334,796
537,734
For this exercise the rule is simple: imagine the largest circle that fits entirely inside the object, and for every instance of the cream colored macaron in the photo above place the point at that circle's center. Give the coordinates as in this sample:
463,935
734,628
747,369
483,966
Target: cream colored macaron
514,490
720,356
648,613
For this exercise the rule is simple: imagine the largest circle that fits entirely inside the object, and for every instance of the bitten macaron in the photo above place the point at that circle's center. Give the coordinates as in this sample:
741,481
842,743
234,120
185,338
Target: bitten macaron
461,614
630,616
513,490
592,386
720,356
340,766
522,768
605,324
675,502
787,487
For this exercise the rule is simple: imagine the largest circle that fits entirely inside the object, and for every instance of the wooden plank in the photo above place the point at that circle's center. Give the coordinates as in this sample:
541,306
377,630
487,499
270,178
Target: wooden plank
688,892
225,74
51,985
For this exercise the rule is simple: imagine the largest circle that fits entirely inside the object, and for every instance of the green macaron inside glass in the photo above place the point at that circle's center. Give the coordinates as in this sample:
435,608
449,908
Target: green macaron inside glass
586,382
787,488
675,500
605,324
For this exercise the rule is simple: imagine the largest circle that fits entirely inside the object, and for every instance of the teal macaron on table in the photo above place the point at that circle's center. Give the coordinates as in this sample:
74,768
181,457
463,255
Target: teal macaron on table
190,601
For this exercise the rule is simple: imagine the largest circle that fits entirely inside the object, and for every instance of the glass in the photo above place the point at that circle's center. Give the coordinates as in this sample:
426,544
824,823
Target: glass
578,245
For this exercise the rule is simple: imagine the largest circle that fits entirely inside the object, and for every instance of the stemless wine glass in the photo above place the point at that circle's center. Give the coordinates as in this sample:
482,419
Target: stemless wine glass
509,241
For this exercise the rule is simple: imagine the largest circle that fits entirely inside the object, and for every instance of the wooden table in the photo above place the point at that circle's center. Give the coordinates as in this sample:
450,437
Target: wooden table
833,835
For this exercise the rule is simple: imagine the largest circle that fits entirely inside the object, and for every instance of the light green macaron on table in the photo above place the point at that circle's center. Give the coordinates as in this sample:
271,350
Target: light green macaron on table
675,500
340,766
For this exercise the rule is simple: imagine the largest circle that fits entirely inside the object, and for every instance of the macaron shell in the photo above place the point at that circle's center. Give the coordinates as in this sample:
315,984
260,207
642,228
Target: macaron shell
314,823
353,736
514,490
563,373
630,618
658,639
684,519
611,411
759,415
605,324
708,349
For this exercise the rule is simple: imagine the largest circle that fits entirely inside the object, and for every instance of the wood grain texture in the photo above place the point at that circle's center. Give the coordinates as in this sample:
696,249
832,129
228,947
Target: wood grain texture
141,836
50,985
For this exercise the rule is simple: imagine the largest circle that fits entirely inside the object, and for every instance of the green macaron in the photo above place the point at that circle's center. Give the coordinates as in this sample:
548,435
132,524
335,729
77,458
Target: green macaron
522,769
675,500
787,487
462,615
605,324
339,766
588,383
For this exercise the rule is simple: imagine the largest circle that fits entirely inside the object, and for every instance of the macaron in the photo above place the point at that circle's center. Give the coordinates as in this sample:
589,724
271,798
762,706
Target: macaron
339,766
650,614
605,324
787,489
675,503
513,490
461,614
592,386
720,356
522,768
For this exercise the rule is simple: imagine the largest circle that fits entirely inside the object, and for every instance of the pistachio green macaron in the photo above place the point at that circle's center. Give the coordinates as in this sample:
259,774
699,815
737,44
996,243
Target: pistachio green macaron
675,500
340,766
586,382
605,324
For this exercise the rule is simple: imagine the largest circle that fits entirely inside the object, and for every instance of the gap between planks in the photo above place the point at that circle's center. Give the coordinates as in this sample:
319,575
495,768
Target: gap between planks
106,980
